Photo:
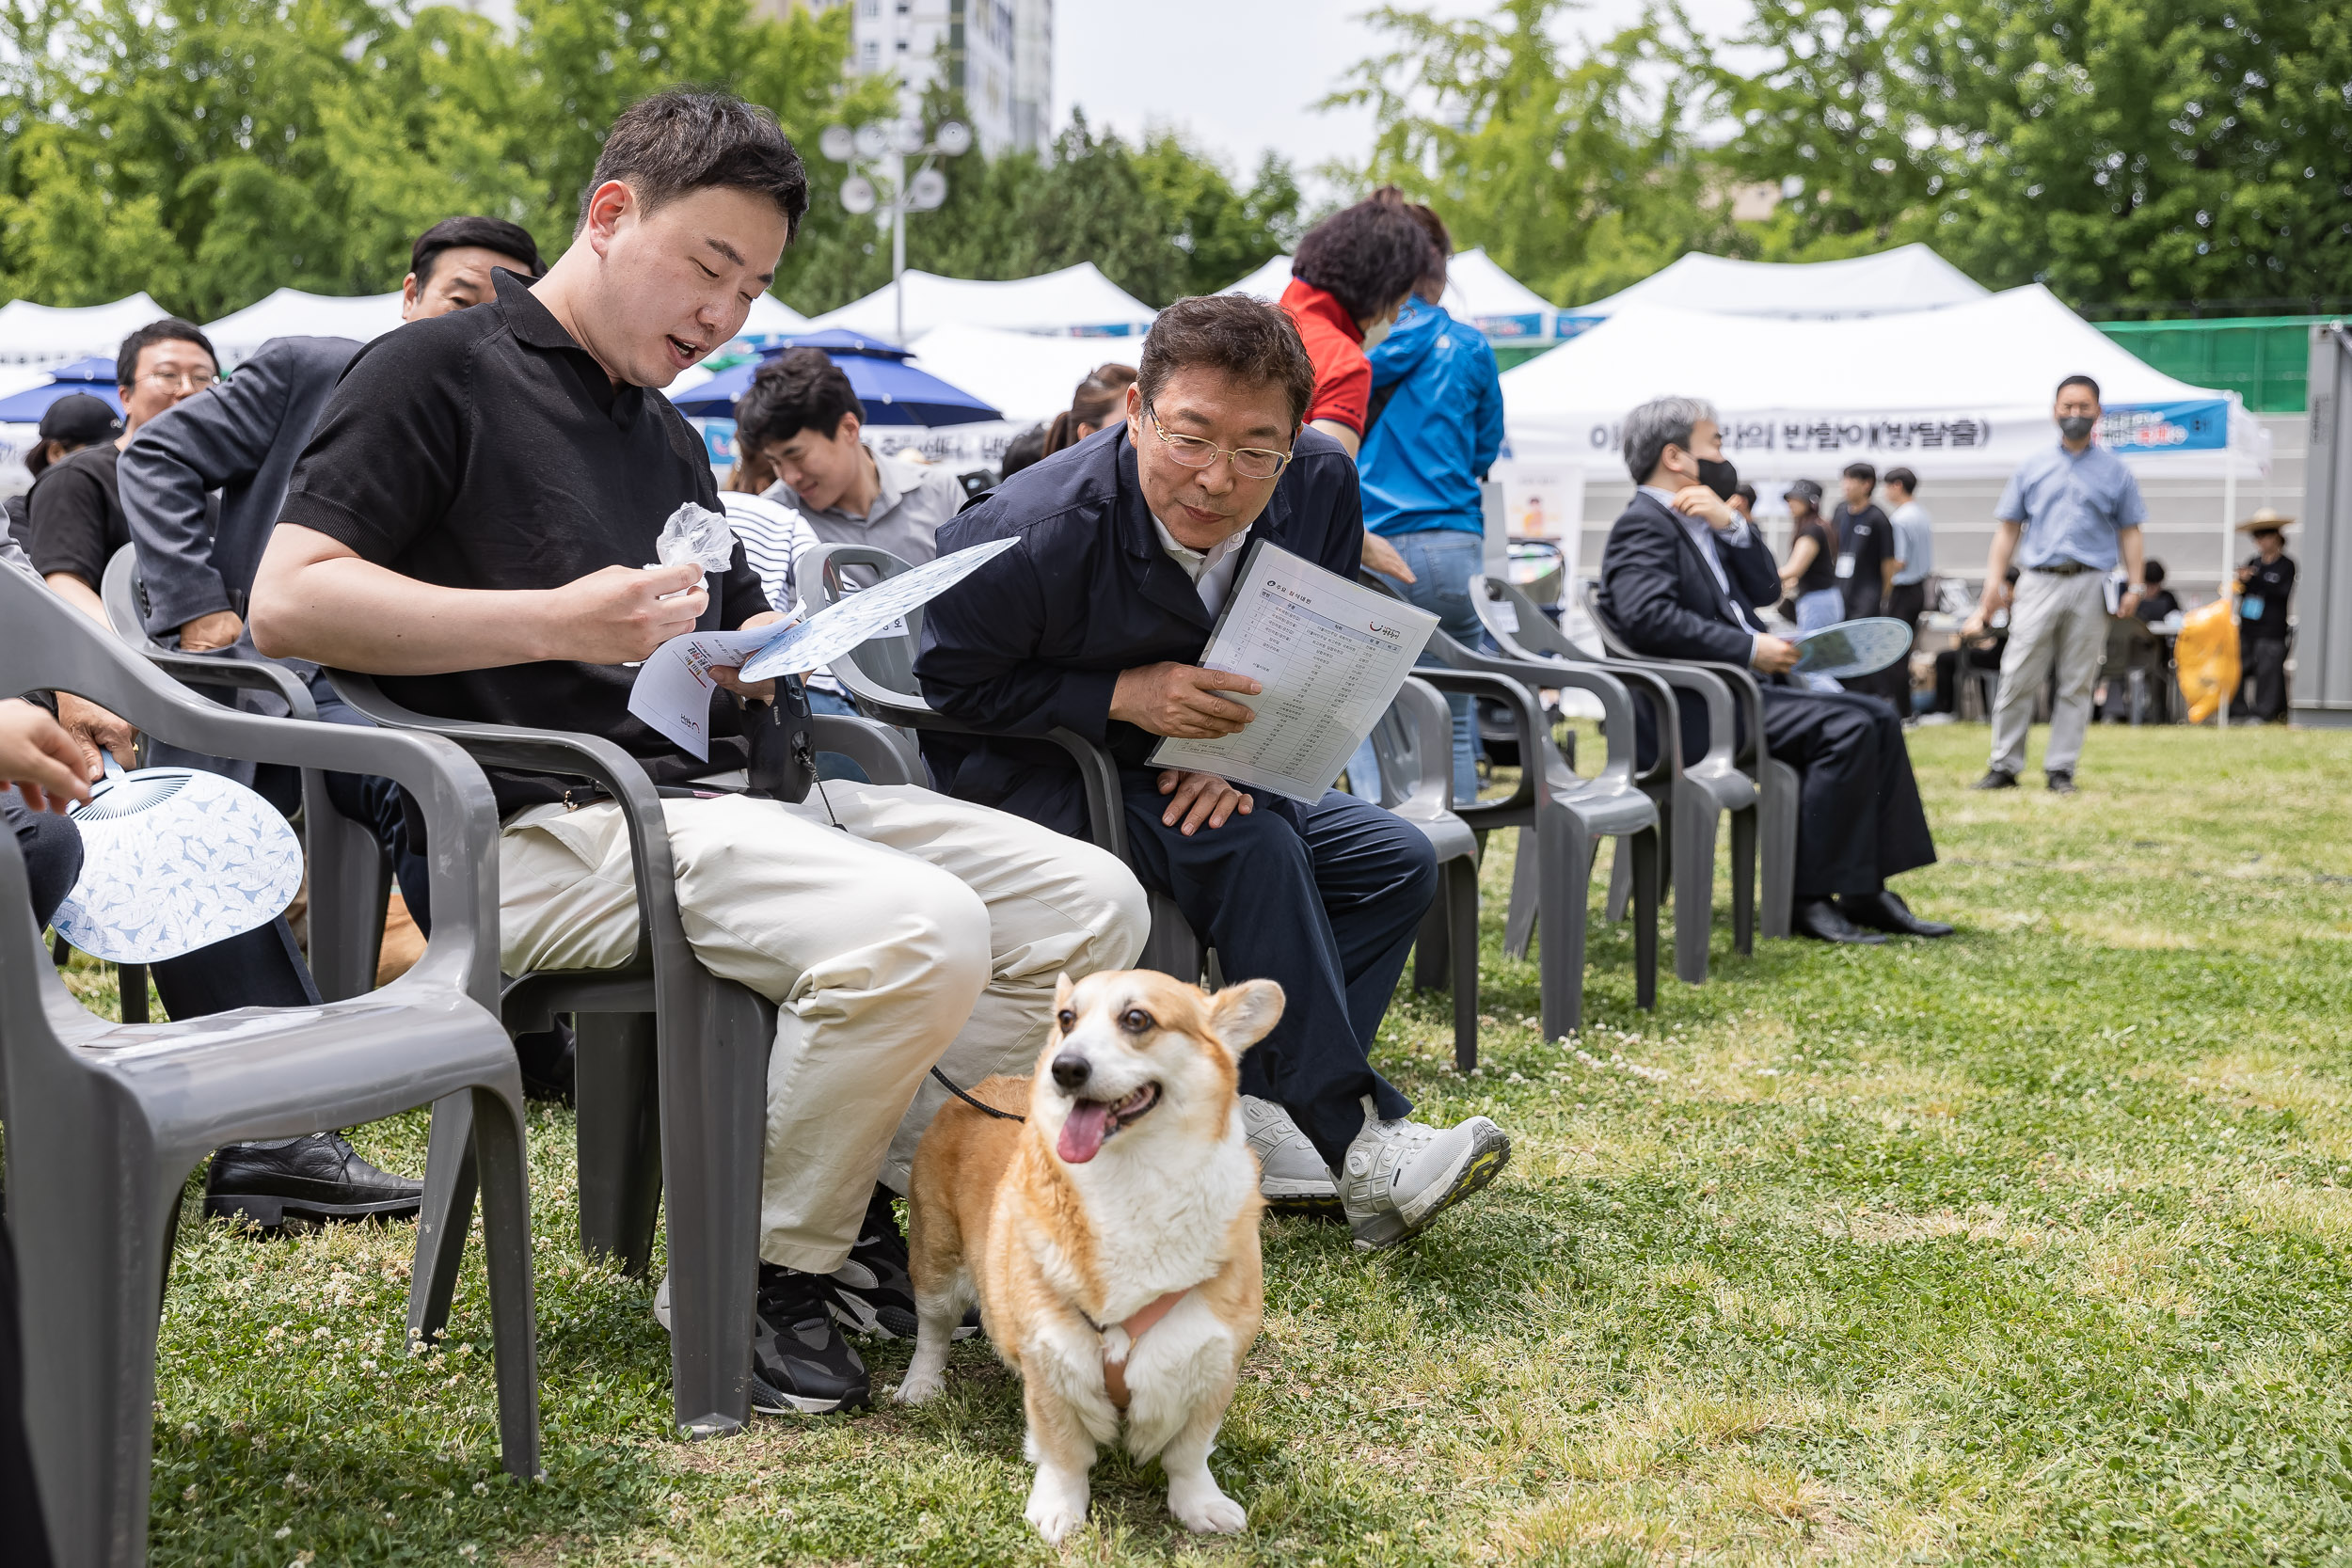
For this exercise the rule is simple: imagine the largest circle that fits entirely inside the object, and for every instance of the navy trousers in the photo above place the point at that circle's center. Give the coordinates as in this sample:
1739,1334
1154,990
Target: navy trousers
1326,910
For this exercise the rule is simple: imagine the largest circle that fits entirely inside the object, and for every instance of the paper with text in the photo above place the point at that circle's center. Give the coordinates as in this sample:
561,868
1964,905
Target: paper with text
674,687
1330,654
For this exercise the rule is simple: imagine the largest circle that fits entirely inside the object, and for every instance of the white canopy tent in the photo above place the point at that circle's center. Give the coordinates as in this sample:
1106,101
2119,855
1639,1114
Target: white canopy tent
40,335
1477,290
1908,278
295,313
1076,301
772,318
1030,378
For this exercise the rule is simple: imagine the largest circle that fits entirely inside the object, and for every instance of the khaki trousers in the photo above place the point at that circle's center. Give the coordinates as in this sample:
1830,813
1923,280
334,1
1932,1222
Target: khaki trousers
930,931
2054,621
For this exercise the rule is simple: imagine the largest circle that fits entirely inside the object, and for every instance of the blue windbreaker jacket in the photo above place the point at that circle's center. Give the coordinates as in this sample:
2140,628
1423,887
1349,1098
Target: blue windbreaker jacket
1440,430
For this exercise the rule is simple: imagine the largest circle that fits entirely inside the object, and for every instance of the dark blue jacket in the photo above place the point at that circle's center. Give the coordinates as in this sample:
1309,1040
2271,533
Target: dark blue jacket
241,439
1439,429
1036,639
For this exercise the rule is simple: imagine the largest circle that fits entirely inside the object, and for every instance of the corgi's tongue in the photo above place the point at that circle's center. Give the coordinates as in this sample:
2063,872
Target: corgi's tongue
1082,1135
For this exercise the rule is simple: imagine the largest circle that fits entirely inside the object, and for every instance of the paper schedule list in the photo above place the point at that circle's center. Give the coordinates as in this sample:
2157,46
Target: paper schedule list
1330,654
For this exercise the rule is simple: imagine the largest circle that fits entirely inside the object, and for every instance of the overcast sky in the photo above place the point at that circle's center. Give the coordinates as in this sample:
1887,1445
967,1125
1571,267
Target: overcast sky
1239,74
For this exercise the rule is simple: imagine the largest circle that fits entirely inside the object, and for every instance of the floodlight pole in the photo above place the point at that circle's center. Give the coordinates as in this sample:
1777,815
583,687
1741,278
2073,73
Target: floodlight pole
899,244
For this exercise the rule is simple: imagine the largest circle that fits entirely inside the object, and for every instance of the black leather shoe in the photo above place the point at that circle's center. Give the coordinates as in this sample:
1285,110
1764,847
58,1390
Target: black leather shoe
317,1178
2062,784
1885,910
546,1058
1995,778
1818,918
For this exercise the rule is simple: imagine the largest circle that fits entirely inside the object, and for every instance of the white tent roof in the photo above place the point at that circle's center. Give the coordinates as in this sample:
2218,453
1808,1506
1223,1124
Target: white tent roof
1477,290
1030,377
34,334
1074,302
1909,277
773,317
293,313
1958,392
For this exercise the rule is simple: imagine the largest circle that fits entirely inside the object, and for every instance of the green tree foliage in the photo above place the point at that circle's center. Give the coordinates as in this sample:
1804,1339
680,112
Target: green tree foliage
2120,150
211,151
1577,170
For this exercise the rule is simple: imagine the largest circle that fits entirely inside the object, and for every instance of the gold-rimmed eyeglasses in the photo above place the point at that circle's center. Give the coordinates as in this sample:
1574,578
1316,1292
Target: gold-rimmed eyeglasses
1191,452
174,381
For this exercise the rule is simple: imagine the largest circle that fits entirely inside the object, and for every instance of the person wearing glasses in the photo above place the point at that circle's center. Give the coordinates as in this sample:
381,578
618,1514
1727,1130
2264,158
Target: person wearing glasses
1132,541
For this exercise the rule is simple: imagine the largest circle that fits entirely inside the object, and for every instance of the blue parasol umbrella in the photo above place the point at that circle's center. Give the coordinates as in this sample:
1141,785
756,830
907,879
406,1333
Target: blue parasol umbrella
894,391
94,376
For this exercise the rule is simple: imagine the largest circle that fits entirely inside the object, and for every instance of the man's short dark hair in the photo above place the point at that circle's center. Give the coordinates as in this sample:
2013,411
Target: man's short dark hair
1245,339
1022,451
459,233
171,329
681,141
800,389
1367,257
1905,479
1864,472
2152,571
1746,491
2079,381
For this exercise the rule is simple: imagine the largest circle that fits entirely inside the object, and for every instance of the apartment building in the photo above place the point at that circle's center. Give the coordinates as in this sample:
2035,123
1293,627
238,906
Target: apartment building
999,54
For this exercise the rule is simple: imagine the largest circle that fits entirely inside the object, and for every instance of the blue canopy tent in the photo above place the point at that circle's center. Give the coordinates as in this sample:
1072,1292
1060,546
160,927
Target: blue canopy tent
94,376
894,391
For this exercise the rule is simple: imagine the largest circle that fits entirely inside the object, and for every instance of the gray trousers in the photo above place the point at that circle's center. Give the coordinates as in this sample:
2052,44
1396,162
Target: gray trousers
2054,623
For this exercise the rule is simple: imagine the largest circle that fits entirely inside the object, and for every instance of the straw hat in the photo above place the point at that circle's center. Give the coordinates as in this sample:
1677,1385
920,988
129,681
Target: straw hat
2263,521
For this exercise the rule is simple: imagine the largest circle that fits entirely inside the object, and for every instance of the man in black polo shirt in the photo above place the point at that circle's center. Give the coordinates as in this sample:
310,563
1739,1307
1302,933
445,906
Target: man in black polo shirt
471,522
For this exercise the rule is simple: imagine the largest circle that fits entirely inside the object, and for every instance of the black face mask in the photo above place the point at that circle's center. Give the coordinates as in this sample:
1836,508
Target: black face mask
2076,427
1719,476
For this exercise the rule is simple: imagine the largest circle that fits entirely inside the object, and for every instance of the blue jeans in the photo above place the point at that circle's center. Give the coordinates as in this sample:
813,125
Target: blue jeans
1444,560
833,765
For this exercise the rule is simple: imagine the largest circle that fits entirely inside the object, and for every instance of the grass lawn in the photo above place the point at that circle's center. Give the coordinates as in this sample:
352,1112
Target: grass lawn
2029,1244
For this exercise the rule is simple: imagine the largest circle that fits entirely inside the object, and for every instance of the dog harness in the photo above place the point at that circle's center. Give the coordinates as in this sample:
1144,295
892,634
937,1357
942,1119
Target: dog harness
1115,1372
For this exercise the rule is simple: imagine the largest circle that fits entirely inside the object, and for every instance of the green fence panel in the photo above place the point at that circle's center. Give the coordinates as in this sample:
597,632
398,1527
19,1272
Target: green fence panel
2265,360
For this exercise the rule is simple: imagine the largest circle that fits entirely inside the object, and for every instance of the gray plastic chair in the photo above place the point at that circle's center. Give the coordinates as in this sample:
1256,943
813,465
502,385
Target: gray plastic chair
878,675
350,877
104,1121
1562,816
1692,795
670,1077
1414,745
1777,787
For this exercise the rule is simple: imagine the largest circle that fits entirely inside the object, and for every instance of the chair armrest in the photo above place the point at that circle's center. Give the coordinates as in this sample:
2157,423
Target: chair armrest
564,751
1527,719
244,674
1616,703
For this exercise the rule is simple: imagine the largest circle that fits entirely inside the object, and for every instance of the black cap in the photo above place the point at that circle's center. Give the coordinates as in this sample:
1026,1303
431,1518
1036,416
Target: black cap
1809,489
80,417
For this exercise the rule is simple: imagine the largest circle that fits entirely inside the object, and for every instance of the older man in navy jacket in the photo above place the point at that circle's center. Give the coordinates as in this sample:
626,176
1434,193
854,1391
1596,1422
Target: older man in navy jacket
1130,543
1680,577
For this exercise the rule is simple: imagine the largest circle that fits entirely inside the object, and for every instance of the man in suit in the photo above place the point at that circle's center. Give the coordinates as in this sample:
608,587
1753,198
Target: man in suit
1130,543
1680,578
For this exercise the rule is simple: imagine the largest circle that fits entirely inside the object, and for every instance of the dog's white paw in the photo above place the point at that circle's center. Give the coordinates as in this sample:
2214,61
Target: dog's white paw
920,1388
1055,1507
1205,1508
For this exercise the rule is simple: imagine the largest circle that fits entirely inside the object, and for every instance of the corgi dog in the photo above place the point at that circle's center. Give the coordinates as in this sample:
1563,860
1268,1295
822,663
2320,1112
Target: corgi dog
1110,1237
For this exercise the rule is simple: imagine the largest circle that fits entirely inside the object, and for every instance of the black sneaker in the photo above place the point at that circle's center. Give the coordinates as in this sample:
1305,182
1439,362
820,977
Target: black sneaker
871,1291
1998,778
317,1178
800,1361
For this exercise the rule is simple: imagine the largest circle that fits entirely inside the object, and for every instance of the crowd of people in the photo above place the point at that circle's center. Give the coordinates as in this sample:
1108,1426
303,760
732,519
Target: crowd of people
464,508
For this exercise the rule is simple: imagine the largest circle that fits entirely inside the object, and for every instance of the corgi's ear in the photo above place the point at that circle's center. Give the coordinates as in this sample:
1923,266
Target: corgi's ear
1241,1014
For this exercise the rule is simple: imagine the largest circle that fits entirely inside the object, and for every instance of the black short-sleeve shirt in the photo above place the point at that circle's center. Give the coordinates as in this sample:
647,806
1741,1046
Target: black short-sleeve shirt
486,450
75,515
1869,538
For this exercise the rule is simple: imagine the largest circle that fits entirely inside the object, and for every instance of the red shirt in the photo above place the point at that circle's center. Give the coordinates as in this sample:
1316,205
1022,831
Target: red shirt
1342,375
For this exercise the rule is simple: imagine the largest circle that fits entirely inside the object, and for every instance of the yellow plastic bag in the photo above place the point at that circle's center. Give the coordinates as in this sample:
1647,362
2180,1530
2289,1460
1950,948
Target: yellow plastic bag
2206,655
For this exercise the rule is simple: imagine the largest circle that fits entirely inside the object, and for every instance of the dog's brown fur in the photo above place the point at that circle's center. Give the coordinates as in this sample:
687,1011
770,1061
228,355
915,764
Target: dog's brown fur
1047,1245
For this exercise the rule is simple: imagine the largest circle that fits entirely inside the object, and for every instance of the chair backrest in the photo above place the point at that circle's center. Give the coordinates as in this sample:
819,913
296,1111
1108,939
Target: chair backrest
124,596
1609,637
45,644
1517,623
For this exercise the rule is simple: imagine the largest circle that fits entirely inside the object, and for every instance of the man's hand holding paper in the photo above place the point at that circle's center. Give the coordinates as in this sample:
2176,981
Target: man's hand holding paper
1181,700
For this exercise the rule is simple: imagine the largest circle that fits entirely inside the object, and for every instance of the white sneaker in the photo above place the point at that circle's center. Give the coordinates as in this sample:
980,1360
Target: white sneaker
1290,1175
662,1302
1400,1175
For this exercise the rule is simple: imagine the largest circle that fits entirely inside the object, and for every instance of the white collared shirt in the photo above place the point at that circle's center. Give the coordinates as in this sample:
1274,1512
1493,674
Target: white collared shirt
1212,570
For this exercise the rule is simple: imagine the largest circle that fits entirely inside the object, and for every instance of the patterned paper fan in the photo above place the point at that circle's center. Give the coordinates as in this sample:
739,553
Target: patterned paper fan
175,860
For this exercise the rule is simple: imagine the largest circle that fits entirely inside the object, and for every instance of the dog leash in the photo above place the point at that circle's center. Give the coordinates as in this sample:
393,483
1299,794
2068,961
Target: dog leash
949,1084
